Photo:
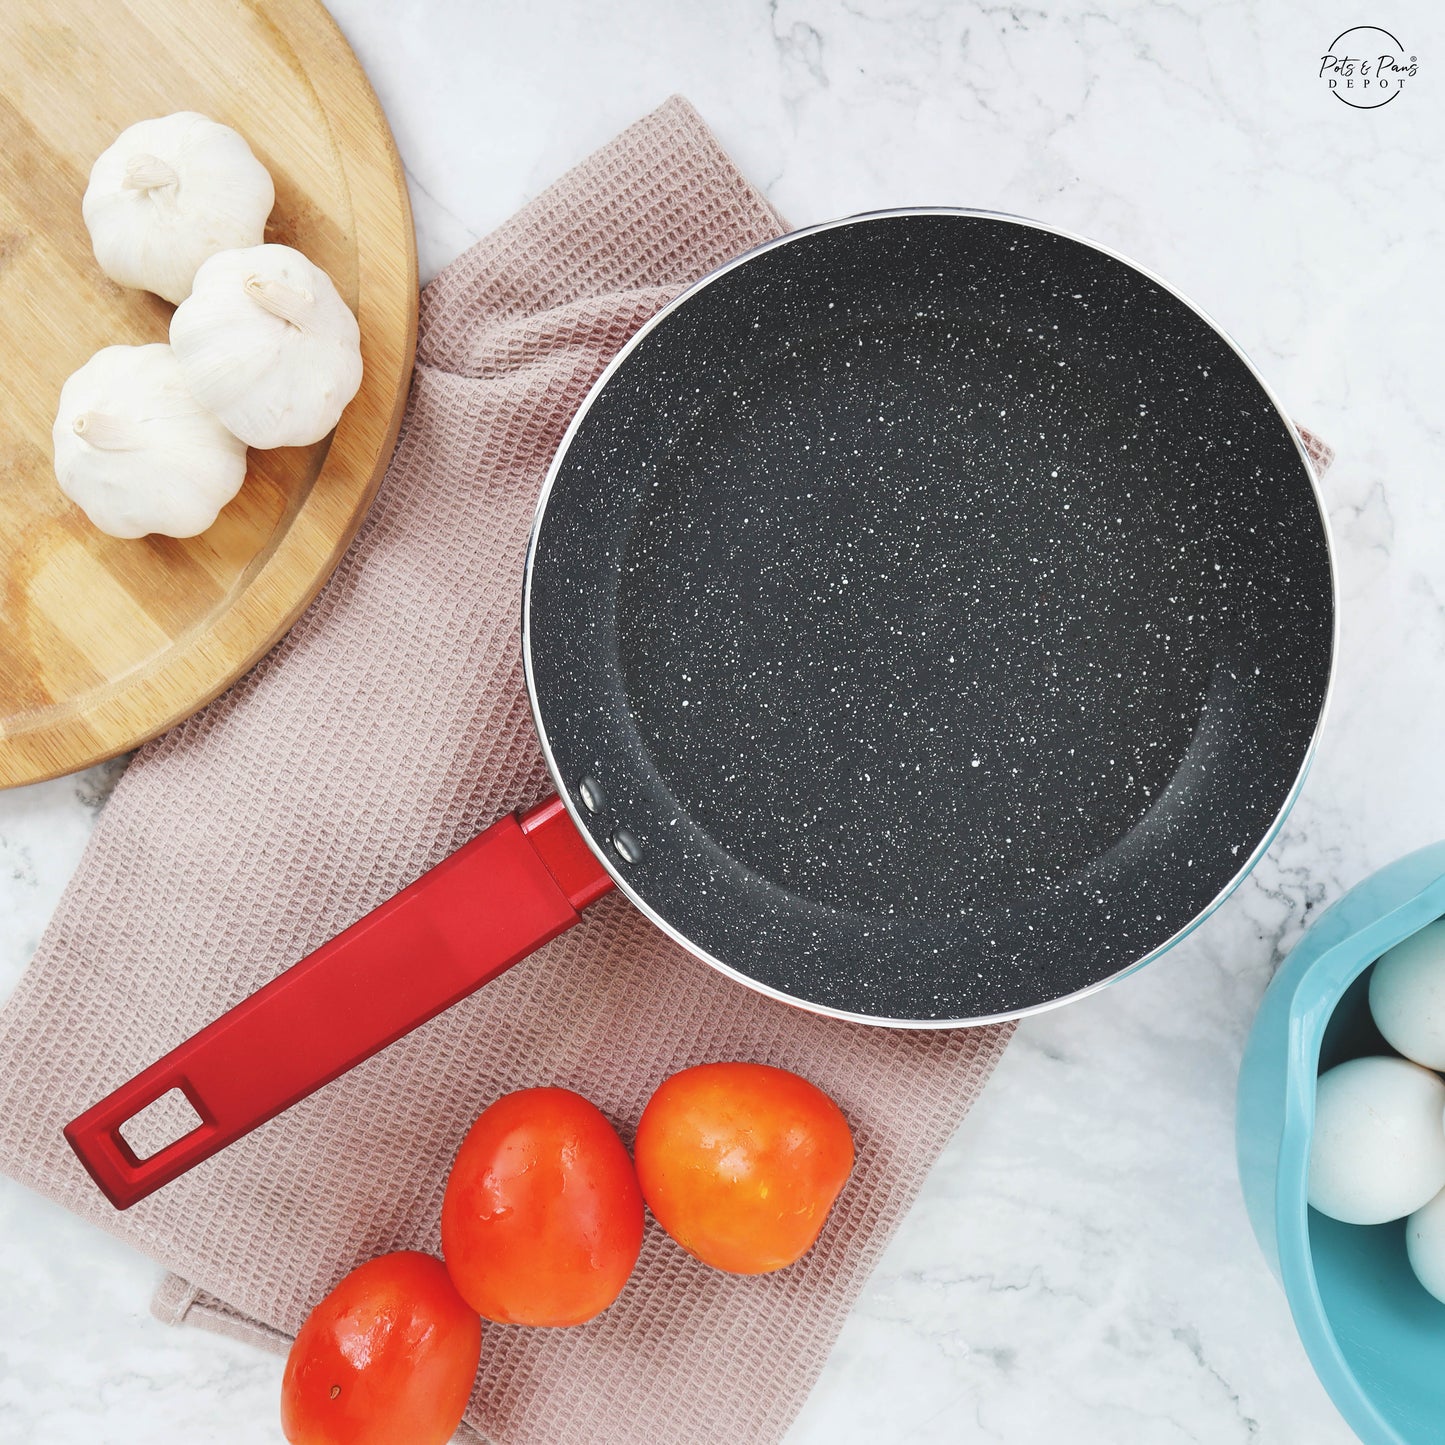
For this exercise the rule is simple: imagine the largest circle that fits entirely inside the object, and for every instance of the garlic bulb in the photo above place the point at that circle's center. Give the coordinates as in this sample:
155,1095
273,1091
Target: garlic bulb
137,452
267,343
167,194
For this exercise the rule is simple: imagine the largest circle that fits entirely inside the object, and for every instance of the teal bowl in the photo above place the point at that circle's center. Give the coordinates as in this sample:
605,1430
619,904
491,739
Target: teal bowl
1374,1336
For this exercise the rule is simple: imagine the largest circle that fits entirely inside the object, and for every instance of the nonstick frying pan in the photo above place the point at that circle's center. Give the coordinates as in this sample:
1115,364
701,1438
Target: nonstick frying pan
928,618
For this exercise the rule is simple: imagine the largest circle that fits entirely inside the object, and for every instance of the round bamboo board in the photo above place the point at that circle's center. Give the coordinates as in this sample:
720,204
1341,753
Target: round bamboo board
105,643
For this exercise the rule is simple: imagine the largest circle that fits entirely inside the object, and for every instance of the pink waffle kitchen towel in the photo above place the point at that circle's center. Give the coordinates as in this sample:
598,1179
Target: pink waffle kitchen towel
388,728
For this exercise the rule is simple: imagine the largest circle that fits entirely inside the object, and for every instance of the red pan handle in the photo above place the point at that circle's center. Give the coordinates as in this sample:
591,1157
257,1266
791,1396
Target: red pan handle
489,905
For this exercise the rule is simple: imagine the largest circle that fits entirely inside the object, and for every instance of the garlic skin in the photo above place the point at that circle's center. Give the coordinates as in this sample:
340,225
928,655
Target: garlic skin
136,452
267,343
167,194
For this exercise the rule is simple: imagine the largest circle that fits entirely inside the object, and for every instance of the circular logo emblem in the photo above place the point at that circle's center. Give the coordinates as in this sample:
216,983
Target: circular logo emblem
1366,67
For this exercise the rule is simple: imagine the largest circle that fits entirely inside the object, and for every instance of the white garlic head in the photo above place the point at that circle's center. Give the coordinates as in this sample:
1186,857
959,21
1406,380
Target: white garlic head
136,452
267,343
167,194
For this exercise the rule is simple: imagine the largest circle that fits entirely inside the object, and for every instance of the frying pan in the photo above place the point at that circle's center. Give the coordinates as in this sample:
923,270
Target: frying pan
927,619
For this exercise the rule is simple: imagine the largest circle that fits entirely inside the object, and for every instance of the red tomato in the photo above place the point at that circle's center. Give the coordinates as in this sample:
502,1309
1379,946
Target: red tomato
542,1219
740,1163
390,1354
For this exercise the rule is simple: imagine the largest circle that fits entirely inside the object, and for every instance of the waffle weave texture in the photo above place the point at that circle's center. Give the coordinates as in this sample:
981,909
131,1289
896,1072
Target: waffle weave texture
389,727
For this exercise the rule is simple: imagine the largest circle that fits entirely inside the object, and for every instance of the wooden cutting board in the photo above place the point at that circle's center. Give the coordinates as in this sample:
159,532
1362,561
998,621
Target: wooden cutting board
104,643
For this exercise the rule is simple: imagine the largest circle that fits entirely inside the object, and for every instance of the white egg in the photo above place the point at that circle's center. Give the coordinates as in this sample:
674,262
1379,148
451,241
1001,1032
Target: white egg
1378,1151
1425,1244
1407,996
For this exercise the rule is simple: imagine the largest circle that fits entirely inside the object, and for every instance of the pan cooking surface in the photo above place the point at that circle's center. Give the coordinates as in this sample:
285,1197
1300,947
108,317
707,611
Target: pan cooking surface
943,609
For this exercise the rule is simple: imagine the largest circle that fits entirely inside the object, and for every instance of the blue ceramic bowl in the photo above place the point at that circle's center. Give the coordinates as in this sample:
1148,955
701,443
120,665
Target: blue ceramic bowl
1374,1336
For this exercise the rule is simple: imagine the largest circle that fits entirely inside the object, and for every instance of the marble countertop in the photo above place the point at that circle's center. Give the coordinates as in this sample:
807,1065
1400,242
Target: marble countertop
1079,1266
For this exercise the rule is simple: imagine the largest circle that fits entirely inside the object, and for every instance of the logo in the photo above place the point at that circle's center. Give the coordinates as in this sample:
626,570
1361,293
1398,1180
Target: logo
1366,67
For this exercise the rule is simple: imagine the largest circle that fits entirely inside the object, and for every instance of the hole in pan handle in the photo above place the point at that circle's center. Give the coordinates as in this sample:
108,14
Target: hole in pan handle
494,901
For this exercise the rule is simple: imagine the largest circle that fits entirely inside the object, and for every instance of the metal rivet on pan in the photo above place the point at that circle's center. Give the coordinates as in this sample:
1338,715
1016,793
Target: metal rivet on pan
590,791
629,849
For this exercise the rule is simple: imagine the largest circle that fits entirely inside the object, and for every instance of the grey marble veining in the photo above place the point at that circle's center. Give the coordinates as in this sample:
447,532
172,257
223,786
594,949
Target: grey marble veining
1079,1266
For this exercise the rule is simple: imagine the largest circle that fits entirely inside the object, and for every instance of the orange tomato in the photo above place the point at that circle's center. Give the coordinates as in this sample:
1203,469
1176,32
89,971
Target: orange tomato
740,1163
390,1354
542,1217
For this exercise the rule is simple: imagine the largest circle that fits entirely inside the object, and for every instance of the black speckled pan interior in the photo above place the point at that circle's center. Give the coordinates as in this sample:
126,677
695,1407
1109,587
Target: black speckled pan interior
940,611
